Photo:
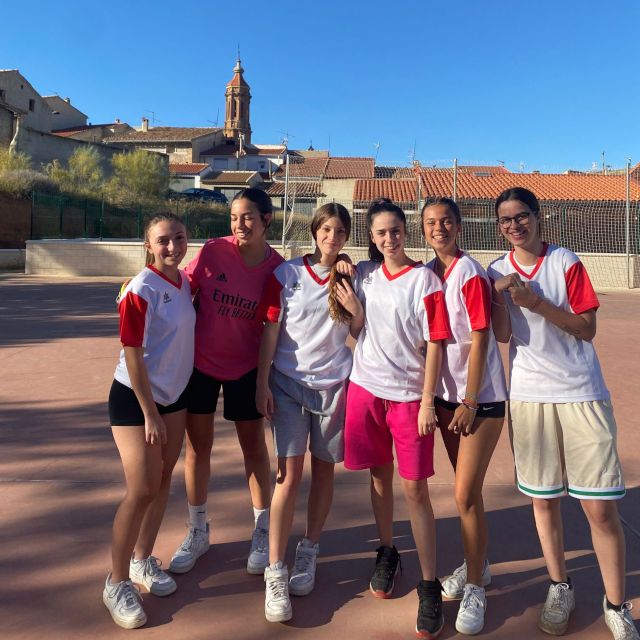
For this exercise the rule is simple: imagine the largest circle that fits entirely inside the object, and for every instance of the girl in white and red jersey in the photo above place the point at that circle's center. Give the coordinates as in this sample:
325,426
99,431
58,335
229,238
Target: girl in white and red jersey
563,429
304,364
470,400
147,411
228,277
390,400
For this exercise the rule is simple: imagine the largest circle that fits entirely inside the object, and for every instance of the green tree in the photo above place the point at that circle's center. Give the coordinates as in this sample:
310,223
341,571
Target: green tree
139,177
84,175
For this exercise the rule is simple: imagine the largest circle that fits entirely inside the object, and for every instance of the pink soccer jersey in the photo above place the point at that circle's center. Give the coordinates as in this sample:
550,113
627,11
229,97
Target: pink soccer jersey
402,312
467,294
157,315
228,331
548,364
311,347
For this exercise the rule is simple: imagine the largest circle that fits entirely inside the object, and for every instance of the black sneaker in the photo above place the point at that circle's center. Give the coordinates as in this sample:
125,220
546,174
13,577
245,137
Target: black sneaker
387,566
430,618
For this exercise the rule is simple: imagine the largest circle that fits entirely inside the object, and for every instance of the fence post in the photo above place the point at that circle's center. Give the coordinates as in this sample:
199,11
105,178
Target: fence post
563,216
101,217
61,210
455,179
86,205
627,228
286,202
33,198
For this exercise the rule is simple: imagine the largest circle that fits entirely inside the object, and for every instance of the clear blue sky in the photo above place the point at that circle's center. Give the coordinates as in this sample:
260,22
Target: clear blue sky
550,83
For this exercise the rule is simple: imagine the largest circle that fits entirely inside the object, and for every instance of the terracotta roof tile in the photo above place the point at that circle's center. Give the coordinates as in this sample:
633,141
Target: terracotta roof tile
187,167
345,167
576,187
172,134
229,177
297,189
396,173
303,168
249,149
399,191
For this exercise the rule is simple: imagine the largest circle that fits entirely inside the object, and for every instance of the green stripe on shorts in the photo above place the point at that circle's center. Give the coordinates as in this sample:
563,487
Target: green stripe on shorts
541,492
597,493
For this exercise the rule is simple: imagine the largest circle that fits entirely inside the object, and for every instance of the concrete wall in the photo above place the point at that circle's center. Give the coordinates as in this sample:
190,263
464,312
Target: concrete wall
126,258
12,259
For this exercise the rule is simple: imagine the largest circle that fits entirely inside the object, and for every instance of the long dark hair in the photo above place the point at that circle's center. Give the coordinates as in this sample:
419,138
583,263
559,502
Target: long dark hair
260,199
523,195
382,205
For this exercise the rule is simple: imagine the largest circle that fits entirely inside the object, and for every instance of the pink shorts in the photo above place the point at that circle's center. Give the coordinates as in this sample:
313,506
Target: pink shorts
373,425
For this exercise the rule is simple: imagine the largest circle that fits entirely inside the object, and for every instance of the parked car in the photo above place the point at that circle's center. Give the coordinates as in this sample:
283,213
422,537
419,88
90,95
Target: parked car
204,195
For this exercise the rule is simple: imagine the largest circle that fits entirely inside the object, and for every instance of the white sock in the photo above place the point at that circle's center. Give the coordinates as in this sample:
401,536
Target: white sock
198,516
261,517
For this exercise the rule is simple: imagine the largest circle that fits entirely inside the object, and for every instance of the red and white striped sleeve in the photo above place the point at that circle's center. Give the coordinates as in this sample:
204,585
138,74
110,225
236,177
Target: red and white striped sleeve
477,300
582,297
133,313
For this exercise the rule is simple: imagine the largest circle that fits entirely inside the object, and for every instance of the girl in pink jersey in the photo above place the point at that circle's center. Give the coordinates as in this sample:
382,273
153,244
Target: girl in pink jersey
563,429
147,410
390,399
227,277
304,364
470,400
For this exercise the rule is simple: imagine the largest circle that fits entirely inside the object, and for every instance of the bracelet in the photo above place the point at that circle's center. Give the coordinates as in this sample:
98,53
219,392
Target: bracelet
470,395
471,408
425,407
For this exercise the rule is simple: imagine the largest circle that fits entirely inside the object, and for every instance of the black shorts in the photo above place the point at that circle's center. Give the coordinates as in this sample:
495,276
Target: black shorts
239,395
124,408
485,409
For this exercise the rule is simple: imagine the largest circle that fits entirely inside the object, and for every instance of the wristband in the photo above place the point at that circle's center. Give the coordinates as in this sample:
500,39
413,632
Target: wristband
471,408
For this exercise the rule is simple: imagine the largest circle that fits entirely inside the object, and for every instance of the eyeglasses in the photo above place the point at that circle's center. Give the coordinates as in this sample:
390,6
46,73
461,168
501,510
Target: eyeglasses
520,218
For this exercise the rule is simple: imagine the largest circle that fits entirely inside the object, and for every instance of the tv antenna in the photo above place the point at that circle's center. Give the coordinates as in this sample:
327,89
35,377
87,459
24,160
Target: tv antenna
153,117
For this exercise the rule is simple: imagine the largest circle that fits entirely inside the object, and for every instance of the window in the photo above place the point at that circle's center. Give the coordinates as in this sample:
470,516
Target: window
32,104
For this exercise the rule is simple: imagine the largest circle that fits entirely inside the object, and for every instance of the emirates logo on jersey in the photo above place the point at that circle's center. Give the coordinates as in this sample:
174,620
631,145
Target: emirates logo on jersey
166,297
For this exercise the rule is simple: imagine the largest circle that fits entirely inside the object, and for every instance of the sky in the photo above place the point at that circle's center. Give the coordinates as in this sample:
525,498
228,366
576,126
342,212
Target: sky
546,85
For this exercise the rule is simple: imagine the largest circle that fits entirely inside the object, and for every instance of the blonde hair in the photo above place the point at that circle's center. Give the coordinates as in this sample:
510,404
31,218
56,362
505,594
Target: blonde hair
337,312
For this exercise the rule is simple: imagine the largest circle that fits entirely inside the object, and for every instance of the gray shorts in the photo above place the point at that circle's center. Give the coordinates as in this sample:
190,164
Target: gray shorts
304,415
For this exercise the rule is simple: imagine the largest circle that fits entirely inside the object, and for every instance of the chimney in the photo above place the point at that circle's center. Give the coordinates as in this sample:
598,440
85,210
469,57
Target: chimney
116,121
67,100
145,124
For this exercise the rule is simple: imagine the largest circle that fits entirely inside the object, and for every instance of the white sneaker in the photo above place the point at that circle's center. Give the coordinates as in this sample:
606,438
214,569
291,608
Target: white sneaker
453,586
147,571
123,600
259,552
559,604
277,606
470,618
194,545
303,576
620,622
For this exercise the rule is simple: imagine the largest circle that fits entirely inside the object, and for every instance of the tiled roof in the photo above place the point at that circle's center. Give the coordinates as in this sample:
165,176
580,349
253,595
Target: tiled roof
397,173
472,168
187,167
249,149
296,189
395,190
341,167
229,177
303,168
439,182
167,134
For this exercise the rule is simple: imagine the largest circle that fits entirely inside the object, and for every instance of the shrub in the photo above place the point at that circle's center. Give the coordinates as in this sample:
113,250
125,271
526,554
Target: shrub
14,161
20,182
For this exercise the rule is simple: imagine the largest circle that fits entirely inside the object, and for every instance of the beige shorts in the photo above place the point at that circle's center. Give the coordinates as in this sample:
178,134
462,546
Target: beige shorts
566,447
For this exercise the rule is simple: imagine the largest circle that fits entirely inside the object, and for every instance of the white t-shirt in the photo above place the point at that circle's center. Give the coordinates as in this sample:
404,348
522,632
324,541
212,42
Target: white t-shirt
402,312
547,363
158,315
467,293
311,347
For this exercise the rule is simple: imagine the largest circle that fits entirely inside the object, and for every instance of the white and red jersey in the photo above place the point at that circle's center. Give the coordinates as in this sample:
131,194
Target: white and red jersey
158,315
467,294
402,312
228,331
311,347
547,363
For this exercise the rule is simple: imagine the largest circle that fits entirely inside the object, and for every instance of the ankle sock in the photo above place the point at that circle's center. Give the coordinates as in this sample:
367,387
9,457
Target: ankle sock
567,581
198,516
261,518
615,607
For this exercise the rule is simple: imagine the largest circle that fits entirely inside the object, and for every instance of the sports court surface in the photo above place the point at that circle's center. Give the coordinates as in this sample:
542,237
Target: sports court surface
60,479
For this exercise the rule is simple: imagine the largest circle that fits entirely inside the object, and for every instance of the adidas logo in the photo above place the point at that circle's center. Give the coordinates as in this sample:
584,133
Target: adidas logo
221,278
166,298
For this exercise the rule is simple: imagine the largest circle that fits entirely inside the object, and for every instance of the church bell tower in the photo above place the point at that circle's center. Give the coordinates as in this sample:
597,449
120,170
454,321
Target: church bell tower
236,119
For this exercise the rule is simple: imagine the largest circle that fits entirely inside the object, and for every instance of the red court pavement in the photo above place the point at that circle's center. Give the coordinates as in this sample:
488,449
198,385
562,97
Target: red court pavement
60,477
